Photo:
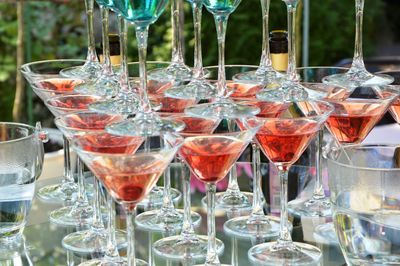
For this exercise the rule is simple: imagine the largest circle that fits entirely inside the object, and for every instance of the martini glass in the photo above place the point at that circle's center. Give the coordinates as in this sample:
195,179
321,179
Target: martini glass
77,124
127,176
222,107
198,87
290,89
265,73
395,107
46,82
107,83
188,244
210,157
283,139
358,75
92,67
177,70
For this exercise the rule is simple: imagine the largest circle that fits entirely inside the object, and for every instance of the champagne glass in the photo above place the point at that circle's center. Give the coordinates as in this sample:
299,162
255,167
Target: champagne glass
177,70
146,122
210,157
92,67
222,107
127,175
198,87
46,82
290,89
107,83
265,73
358,75
188,244
283,139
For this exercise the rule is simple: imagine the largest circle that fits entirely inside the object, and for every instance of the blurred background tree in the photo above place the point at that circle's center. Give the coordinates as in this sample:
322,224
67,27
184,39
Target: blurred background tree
57,30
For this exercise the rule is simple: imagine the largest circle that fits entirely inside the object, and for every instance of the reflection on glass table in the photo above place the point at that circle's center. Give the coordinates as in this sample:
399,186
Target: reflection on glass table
43,239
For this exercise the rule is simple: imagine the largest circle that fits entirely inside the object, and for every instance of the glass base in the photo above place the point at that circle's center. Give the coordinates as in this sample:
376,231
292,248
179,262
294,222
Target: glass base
293,253
155,198
178,248
106,86
358,77
145,124
222,109
154,221
196,89
112,262
89,71
310,207
227,201
72,215
118,105
290,91
175,72
265,227
325,233
90,241
56,193
11,247
264,76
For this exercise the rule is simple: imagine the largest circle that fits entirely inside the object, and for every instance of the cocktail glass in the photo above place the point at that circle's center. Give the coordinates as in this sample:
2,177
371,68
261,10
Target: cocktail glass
358,75
127,175
210,157
364,185
283,140
188,244
395,107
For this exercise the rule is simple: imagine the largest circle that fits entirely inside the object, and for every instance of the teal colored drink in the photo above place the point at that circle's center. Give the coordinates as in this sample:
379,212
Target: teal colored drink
140,12
221,7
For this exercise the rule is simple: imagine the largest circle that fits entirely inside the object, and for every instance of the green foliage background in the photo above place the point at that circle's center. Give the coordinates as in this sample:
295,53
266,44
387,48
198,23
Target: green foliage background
57,30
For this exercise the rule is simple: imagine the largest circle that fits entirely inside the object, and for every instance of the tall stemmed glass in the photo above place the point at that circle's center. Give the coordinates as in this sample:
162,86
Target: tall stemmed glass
142,13
177,70
358,75
198,87
283,140
290,89
210,157
223,107
107,83
127,176
92,67
265,74
188,244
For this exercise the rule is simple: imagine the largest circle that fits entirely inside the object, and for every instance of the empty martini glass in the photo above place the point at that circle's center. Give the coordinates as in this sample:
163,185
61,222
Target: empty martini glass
283,139
358,75
128,176
91,69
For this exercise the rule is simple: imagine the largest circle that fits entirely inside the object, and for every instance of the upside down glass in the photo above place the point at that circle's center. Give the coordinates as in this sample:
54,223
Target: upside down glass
364,186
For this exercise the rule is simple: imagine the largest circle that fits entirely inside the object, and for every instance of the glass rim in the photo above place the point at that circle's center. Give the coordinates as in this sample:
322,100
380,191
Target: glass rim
231,66
367,146
32,131
388,71
394,92
47,102
224,134
26,68
322,67
79,149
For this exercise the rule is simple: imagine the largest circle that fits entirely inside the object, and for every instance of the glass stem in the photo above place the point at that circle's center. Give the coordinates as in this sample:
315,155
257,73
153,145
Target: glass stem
358,62
81,199
187,226
284,235
112,251
97,223
124,75
257,209
168,205
212,256
68,178
197,7
142,36
233,186
221,23
319,193
91,55
107,68
265,61
177,49
291,10
131,256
